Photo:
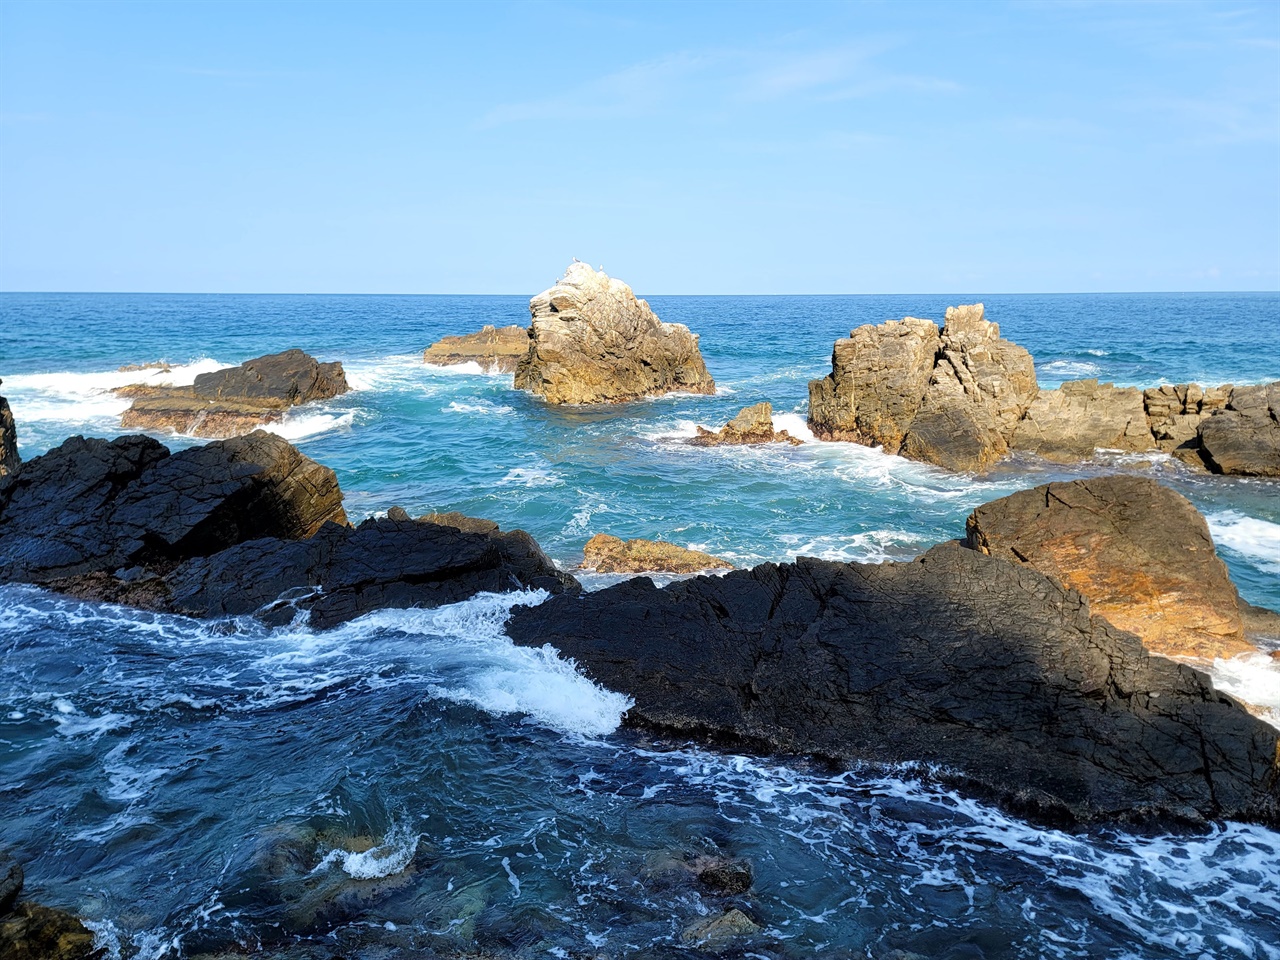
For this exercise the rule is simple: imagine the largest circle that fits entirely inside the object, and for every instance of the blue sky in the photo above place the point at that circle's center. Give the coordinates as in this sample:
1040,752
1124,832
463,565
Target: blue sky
688,148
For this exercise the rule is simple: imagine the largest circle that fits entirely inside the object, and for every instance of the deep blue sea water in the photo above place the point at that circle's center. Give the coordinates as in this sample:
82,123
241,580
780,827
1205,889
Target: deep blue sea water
146,761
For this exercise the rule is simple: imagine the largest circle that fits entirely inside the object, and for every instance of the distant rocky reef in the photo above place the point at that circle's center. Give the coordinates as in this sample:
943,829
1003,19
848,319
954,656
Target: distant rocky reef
963,398
235,400
592,341
493,349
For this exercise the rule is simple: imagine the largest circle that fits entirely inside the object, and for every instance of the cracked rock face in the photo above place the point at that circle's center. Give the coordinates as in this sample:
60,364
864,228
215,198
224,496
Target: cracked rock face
1140,552
1244,439
1082,416
592,341
986,667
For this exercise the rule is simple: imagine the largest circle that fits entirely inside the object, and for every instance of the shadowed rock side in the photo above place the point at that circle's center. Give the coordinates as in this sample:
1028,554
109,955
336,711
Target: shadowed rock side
495,349
1244,439
606,554
986,667
752,425
234,400
9,458
29,931
592,341
1140,553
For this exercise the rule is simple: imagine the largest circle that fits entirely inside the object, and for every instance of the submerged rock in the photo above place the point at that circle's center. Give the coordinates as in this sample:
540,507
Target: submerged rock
986,667
1082,416
606,554
1140,552
721,931
495,349
235,400
752,425
593,341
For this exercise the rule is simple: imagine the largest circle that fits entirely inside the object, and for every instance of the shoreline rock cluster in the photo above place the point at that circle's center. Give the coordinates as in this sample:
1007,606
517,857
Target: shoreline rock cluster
963,398
235,400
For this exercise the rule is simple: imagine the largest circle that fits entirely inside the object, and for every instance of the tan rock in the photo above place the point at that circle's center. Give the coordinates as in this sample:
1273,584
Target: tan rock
1082,416
606,554
752,425
1139,552
592,341
720,931
495,349
1174,414
1244,439
34,932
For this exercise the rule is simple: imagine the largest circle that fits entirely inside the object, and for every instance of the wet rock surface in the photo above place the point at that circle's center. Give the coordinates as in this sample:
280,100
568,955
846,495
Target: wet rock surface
752,425
494,349
592,341
606,554
1140,552
985,667
9,459
235,400
29,931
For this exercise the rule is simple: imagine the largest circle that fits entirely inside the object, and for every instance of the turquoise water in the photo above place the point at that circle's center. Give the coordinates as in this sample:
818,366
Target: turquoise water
515,814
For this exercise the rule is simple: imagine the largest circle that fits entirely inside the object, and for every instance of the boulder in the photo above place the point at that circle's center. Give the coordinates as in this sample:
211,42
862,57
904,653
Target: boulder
93,506
9,458
1140,552
606,554
33,932
985,667
752,425
1082,416
234,400
721,931
1174,414
494,349
593,341
1244,439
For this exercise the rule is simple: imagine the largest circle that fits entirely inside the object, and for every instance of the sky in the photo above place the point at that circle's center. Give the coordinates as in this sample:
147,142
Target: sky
688,148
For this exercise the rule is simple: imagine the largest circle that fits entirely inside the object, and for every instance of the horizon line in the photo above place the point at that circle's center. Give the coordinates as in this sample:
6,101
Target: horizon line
290,293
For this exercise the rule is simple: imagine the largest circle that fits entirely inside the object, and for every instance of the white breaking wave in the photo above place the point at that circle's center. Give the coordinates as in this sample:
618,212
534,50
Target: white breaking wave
478,406
679,430
300,426
530,477
386,859
1071,368
795,424
872,546
1253,678
1259,540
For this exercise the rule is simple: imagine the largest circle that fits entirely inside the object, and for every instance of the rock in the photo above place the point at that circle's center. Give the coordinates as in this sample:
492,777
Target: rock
592,341
721,931
952,398
1140,553
1244,439
752,425
342,573
93,507
985,667
10,883
461,521
1174,414
606,554
495,349
723,874
1259,622
235,400
1082,416
9,459
33,932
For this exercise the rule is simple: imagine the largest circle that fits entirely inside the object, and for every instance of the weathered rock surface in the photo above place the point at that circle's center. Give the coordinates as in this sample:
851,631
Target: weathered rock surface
1174,414
93,506
1140,552
235,400
495,349
752,425
950,397
721,931
986,667
606,554
1082,416
593,341
29,931
1244,439
11,879
9,458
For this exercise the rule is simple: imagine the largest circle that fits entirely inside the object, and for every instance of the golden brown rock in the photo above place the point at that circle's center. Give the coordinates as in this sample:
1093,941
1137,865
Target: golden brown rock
495,349
606,554
33,932
1083,416
752,425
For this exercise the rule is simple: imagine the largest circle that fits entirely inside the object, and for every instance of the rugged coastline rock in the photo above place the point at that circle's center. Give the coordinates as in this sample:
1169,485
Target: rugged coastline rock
1244,439
1174,413
1082,416
606,554
1140,553
9,459
592,341
752,425
495,349
234,400
983,666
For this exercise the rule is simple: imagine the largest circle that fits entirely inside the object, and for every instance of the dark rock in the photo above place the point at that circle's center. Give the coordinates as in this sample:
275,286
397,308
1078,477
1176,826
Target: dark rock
10,883
1140,553
985,667
495,349
9,458
723,874
33,932
460,521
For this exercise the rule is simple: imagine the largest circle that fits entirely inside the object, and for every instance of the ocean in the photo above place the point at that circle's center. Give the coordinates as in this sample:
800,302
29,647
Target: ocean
484,796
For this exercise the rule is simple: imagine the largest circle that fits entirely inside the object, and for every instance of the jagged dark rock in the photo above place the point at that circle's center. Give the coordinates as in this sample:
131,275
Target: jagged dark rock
985,667
9,459
1244,439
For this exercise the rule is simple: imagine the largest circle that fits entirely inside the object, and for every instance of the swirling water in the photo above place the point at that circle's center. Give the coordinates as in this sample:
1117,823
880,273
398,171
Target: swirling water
480,796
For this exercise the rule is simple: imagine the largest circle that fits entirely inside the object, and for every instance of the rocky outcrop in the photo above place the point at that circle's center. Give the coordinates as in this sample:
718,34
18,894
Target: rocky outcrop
606,554
985,667
951,397
1244,439
752,425
1140,552
234,400
97,507
1174,413
9,458
593,341
29,931
494,349
1082,416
